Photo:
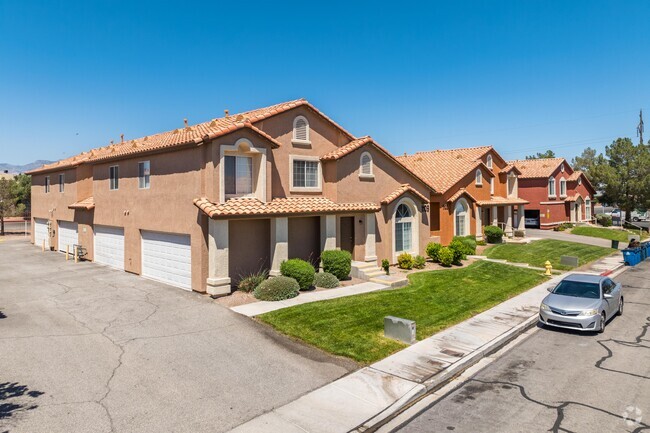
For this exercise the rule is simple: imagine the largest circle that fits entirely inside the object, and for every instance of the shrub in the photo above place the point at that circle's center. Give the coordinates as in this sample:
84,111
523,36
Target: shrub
325,280
249,282
337,262
458,249
604,220
562,227
433,248
481,243
419,262
303,272
405,261
469,244
493,234
519,233
446,256
385,265
277,289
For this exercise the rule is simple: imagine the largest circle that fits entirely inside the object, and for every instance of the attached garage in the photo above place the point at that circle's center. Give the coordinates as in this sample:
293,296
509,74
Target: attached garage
41,234
109,246
68,236
532,220
167,257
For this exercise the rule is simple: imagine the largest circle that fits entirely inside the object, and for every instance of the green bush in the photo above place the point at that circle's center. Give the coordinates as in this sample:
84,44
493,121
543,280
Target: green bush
326,280
481,243
277,289
604,220
337,262
469,244
385,265
446,256
562,227
249,282
493,234
419,262
303,272
520,233
433,248
405,261
458,249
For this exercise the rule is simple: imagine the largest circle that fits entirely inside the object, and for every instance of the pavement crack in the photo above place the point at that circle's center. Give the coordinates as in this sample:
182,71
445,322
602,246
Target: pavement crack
637,343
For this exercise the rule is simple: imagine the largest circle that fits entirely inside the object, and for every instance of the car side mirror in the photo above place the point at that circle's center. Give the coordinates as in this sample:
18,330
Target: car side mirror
607,296
550,288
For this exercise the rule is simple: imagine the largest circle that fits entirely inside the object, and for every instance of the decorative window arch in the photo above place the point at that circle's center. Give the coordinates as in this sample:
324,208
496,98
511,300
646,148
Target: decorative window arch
405,228
479,177
563,187
366,165
551,187
562,168
301,130
461,218
489,161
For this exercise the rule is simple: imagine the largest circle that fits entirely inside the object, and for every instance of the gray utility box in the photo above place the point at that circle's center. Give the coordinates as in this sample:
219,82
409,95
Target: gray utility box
399,329
569,261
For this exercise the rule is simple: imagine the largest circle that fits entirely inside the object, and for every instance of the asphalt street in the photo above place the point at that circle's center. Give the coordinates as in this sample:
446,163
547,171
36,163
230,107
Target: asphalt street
85,348
560,381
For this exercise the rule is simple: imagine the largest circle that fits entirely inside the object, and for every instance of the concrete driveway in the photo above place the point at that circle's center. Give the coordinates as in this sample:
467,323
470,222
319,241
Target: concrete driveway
84,348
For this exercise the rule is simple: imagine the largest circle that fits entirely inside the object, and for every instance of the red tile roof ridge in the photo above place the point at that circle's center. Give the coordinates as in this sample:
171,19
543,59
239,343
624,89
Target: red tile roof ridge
403,188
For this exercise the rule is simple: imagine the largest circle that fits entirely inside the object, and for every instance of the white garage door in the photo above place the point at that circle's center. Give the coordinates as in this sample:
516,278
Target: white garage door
40,233
109,246
167,257
68,236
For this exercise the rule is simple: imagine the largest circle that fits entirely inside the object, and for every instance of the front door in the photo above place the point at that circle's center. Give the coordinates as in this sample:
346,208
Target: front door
347,234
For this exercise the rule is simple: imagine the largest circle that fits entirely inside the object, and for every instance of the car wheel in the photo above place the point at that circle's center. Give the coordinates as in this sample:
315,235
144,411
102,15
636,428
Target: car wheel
603,320
620,307
635,219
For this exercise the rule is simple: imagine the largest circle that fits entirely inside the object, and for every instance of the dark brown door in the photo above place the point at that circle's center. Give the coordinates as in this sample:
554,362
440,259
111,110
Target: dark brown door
347,234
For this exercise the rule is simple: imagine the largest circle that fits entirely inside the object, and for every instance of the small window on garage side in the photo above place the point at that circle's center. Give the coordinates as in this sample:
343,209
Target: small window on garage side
114,177
62,182
144,174
365,165
47,183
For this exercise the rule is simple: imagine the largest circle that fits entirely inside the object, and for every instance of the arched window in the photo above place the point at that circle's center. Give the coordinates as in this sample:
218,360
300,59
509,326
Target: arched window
365,165
579,181
461,218
489,161
562,187
300,130
551,187
403,228
479,177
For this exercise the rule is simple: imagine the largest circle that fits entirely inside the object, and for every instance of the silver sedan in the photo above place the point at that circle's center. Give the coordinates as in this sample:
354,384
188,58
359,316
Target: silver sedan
582,302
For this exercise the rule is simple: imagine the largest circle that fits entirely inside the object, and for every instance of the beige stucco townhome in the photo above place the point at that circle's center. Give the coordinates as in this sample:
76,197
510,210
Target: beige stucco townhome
202,205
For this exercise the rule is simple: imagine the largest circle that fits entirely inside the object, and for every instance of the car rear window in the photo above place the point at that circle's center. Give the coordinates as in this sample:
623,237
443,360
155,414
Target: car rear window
578,289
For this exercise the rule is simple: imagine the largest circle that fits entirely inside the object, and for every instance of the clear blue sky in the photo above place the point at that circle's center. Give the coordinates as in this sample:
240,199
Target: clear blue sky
520,75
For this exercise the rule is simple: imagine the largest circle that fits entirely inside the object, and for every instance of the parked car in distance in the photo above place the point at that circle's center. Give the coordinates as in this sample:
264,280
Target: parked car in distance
615,213
582,302
639,216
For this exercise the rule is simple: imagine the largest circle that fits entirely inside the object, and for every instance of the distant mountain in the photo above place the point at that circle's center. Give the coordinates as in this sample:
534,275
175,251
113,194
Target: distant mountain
15,169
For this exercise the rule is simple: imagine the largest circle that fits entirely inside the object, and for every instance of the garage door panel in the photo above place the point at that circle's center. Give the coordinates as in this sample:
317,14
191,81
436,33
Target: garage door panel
41,233
167,257
68,235
109,246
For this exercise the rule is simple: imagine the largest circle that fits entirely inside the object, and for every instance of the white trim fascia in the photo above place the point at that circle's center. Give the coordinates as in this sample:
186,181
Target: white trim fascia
318,188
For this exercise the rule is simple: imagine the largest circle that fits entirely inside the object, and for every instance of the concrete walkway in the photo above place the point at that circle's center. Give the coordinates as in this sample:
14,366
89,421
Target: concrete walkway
373,394
568,237
257,308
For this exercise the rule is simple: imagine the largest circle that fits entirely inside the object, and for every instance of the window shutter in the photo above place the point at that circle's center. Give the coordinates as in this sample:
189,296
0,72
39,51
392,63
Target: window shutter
300,130
366,162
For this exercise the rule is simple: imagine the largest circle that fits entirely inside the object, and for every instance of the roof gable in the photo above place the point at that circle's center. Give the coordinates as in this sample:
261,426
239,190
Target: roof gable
539,168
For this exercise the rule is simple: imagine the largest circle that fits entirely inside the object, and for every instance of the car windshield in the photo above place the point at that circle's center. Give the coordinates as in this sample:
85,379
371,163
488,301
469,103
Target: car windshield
578,289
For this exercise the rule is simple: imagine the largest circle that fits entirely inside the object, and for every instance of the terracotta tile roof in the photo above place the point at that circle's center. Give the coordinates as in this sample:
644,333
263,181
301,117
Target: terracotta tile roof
191,134
459,193
442,169
537,168
279,206
500,201
401,190
577,174
85,204
347,148
508,168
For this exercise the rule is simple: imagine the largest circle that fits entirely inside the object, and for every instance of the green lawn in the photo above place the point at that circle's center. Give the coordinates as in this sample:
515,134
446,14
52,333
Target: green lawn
353,326
599,232
537,253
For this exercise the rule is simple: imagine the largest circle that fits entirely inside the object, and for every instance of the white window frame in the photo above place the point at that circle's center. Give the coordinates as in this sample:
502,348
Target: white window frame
145,177
548,187
478,177
588,208
562,168
489,162
319,174
47,184
116,186
244,147
294,139
415,227
62,182
562,186
468,214
579,180
363,175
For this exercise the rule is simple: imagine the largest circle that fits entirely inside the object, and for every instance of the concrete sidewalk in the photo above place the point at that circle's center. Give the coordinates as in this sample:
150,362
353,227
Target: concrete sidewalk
261,307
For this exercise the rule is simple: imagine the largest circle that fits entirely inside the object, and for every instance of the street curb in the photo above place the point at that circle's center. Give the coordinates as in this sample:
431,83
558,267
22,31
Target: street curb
442,379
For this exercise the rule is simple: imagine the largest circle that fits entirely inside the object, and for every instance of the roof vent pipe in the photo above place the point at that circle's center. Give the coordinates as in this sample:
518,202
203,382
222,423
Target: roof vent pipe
122,137
185,122
227,113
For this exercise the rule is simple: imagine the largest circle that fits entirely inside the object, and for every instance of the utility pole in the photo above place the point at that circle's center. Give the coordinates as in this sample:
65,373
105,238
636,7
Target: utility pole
639,128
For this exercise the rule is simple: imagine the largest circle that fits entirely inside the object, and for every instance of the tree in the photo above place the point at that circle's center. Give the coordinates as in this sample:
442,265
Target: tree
539,155
592,165
22,190
15,196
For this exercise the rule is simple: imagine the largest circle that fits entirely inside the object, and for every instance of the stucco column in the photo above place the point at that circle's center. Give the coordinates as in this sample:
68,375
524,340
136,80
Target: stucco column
495,216
328,232
509,221
279,243
218,278
522,218
371,251
479,223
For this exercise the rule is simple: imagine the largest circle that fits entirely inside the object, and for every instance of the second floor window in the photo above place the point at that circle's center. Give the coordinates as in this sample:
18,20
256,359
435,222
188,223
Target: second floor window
114,177
305,174
144,173
551,187
562,188
365,165
61,182
489,161
479,177
238,176
47,183
300,130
